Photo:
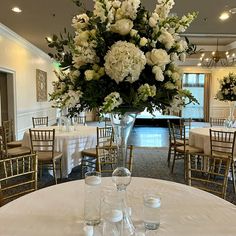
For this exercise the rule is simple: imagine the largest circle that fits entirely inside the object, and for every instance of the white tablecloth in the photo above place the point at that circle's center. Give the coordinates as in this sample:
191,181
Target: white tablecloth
71,144
58,210
200,137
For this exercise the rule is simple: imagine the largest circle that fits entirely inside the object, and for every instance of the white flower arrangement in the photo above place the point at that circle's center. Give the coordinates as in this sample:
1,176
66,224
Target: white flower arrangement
123,57
227,90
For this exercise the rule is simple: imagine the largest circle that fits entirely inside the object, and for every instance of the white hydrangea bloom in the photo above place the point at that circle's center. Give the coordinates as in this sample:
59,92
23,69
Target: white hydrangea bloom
124,61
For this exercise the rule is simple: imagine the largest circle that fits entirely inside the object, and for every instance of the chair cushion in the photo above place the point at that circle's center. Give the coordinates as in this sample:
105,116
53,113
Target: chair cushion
18,151
47,156
91,152
14,144
189,149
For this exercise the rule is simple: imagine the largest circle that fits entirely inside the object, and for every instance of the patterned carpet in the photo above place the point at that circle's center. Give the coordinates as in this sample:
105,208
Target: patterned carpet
148,162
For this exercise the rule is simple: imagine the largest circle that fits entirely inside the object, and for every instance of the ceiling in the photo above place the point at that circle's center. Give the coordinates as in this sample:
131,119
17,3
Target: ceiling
46,17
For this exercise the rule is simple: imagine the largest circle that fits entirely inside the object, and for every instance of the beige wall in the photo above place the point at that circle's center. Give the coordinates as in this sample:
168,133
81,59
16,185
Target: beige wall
21,59
217,108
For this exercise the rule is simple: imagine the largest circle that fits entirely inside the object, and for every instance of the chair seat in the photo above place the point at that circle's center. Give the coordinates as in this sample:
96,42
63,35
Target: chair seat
89,152
14,144
18,151
47,156
189,149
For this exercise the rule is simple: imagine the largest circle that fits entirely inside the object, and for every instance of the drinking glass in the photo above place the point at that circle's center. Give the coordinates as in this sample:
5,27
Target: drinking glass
92,203
151,211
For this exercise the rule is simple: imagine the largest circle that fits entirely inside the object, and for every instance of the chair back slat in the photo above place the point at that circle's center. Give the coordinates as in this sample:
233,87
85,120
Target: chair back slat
18,176
79,119
107,158
104,136
42,140
209,173
214,121
222,142
40,121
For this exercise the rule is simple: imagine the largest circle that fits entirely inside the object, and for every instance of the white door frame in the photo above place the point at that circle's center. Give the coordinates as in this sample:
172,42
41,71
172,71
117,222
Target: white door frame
11,74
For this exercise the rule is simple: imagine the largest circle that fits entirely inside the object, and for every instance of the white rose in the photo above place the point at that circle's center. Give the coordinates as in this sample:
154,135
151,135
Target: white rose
143,41
158,73
157,57
182,57
122,26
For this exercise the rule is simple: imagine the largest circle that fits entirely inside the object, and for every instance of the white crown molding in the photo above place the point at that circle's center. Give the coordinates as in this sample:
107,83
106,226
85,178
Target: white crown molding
5,31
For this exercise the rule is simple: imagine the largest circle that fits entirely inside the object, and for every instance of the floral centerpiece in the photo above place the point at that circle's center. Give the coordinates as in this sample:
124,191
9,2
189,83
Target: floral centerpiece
227,92
122,57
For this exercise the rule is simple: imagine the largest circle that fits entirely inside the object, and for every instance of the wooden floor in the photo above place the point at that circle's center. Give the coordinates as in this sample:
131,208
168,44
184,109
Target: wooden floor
148,136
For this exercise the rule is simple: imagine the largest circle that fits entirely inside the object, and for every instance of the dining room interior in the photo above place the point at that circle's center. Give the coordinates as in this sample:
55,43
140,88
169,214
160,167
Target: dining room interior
167,127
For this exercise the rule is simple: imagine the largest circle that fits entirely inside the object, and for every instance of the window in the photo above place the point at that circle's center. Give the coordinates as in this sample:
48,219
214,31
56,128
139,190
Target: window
195,84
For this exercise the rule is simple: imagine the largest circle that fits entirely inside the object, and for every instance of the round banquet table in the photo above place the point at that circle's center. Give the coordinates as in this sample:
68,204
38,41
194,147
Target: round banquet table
58,210
200,137
70,144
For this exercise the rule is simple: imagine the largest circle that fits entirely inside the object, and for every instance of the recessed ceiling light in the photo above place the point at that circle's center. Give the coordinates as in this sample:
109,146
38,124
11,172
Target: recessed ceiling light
16,9
49,39
233,10
224,16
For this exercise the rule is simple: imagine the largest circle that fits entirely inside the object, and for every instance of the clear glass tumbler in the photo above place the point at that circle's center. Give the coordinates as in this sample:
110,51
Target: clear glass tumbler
151,211
92,203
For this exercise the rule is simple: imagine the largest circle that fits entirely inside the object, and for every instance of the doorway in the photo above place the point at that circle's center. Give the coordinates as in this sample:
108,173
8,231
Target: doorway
7,99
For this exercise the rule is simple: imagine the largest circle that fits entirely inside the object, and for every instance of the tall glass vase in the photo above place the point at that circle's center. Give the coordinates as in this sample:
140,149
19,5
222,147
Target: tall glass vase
230,120
121,176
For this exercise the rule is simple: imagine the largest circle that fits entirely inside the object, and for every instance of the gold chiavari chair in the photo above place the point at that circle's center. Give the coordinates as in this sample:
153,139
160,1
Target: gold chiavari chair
216,121
222,145
107,122
182,151
107,158
79,120
18,176
90,155
8,129
43,143
209,173
7,152
40,121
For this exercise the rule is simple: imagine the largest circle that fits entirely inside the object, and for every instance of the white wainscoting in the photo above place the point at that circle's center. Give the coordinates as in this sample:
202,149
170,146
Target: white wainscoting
220,111
24,119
